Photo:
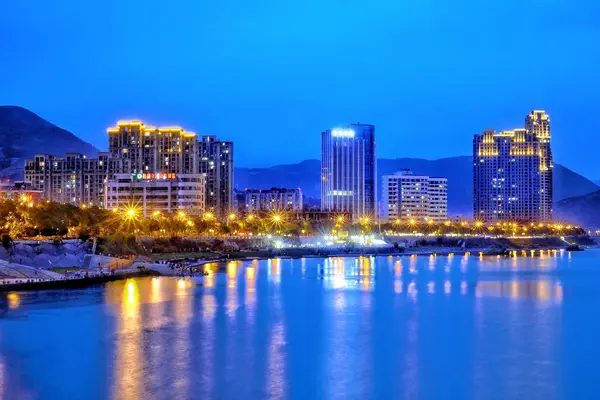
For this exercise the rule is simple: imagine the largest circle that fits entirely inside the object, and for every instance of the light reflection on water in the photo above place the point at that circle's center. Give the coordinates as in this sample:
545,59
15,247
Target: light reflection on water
387,327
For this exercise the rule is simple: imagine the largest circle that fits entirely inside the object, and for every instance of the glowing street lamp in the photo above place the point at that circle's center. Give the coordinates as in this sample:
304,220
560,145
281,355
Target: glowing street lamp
130,213
277,218
181,214
208,216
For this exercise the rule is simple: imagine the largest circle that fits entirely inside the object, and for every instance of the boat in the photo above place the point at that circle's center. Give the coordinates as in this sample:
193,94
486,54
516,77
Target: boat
574,247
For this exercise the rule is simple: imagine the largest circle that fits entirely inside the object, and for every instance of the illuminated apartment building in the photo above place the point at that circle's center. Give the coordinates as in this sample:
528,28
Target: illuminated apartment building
407,196
512,173
154,150
538,123
73,179
216,163
162,192
349,171
274,199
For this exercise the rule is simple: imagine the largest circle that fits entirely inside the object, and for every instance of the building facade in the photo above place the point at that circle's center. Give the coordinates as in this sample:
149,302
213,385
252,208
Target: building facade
512,173
407,196
349,171
216,164
274,199
73,179
154,150
162,192
538,124
21,191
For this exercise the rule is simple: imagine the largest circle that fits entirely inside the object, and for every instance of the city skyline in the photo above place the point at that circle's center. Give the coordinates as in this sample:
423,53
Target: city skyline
425,70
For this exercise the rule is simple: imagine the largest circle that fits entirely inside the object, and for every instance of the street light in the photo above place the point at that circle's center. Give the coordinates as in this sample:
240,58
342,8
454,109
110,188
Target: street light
130,213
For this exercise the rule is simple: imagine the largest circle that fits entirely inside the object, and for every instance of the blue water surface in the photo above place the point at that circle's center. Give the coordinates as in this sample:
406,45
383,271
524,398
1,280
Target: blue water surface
445,327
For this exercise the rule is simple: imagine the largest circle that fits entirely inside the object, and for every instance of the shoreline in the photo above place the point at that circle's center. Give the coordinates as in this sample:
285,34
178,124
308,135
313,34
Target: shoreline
74,283
162,269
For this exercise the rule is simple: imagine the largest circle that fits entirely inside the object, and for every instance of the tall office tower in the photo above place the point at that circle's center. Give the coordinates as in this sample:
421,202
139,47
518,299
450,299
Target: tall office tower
216,163
154,150
349,171
408,196
512,173
538,123
73,179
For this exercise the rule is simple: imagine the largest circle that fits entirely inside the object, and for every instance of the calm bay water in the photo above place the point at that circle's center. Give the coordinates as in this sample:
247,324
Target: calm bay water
385,327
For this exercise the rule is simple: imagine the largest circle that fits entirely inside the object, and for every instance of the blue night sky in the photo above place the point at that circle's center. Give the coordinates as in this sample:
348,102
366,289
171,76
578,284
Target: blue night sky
272,74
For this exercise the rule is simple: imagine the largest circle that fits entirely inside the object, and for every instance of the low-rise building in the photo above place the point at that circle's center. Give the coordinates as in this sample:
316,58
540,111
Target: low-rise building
408,196
149,192
19,191
274,199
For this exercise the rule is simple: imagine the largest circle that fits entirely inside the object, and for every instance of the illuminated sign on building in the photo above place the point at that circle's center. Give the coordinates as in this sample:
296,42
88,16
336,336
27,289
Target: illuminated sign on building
140,176
343,133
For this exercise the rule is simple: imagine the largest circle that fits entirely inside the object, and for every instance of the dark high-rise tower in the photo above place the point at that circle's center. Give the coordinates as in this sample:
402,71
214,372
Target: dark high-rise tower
216,163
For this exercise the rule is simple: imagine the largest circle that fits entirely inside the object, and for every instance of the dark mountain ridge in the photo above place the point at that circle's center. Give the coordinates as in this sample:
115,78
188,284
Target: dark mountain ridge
24,133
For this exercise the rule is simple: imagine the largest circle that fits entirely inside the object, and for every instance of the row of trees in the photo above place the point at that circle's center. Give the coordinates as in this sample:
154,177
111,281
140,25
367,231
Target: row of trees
23,220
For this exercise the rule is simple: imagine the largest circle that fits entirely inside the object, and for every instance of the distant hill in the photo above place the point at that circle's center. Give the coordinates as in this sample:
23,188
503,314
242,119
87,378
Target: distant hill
583,210
458,170
24,133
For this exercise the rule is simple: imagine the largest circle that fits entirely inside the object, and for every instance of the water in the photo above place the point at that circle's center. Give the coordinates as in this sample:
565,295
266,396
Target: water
386,327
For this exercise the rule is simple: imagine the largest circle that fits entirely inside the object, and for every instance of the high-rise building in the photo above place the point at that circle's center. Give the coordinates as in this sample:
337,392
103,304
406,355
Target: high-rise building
538,123
274,199
512,173
407,196
154,150
73,179
349,170
216,163
150,192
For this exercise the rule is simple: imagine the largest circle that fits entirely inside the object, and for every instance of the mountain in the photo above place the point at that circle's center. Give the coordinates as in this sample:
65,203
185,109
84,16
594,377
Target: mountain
24,133
583,210
458,170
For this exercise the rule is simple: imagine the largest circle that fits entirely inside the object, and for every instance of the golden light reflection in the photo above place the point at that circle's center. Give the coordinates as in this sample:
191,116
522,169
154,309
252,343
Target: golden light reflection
232,295
129,364
398,268
14,300
543,290
251,284
398,286
364,271
274,266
